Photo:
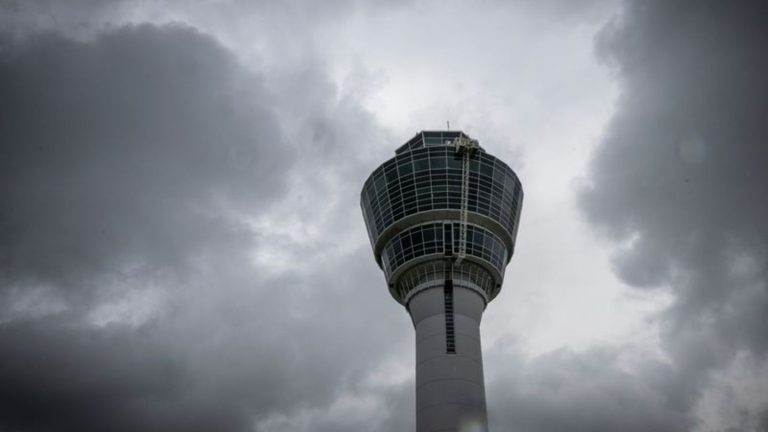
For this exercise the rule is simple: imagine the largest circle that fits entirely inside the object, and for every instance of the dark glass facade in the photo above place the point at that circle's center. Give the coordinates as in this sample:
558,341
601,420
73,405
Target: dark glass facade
410,199
430,239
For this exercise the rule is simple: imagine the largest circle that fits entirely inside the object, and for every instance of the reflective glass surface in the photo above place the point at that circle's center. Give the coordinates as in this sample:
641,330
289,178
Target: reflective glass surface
429,178
426,175
429,238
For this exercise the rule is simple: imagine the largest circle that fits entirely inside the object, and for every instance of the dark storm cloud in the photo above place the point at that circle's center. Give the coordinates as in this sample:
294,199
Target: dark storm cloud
60,376
120,155
683,166
127,151
131,157
21,16
680,177
130,161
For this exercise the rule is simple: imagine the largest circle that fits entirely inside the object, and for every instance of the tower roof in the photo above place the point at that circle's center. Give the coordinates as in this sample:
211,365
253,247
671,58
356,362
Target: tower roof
431,139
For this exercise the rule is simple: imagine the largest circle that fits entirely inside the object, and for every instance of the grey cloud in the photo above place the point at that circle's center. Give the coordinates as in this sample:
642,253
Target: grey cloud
680,175
59,376
128,151
86,17
80,16
133,157
130,161
123,158
591,10
134,154
588,391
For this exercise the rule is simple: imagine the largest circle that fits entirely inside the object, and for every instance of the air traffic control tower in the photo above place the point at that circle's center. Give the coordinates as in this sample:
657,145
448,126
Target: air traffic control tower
442,217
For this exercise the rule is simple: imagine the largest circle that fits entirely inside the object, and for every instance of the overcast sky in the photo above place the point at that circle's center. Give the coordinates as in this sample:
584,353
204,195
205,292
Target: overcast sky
182,249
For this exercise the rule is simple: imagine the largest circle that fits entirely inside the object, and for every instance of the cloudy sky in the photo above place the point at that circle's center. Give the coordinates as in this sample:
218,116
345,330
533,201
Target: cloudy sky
182,249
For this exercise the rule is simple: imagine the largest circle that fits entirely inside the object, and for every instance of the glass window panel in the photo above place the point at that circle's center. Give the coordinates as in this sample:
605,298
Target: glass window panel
428,236
391,175
405,167
486,169
455,163
421,165
416,237
438,162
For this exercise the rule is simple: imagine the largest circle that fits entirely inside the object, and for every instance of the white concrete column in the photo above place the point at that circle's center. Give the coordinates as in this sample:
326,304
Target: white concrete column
450,390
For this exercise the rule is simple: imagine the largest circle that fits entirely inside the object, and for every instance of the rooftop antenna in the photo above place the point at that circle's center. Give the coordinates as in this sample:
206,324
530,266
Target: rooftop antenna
447,125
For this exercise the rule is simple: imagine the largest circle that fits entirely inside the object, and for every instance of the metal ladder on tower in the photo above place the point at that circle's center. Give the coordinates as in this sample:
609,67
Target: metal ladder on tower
466,147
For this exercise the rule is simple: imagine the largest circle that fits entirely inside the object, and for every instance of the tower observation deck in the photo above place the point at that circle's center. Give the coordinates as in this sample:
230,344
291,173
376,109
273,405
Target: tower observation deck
442,217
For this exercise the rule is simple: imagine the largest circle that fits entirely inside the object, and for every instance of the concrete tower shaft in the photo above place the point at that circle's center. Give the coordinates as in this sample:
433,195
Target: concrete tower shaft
442,217
450,390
